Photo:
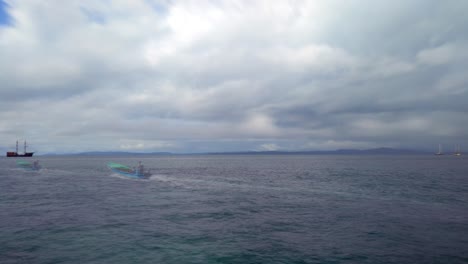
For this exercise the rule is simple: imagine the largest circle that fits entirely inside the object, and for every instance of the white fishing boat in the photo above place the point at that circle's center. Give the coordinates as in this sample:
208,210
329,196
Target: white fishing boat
139,172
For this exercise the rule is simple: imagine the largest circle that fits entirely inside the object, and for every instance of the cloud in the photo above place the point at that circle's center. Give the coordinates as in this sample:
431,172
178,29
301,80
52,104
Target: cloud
444,54
191,76
269,147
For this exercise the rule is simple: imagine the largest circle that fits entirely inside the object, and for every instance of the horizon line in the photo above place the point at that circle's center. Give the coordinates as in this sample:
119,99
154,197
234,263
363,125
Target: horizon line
382,150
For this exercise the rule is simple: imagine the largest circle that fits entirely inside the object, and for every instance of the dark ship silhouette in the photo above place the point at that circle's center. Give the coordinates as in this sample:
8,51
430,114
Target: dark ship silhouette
16,154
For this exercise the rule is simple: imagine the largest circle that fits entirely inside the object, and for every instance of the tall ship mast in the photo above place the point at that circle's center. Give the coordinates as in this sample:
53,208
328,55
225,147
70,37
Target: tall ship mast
16,154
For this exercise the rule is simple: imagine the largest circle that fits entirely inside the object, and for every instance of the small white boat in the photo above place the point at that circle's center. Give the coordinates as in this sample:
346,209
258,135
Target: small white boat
28,165
137,173
440,150
457,151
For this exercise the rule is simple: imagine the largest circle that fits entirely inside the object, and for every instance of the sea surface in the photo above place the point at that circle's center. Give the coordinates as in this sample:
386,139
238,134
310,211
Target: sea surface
237,209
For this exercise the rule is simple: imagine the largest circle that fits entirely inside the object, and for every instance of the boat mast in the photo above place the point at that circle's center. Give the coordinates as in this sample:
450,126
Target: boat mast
25,147
457,151
16,146
440,150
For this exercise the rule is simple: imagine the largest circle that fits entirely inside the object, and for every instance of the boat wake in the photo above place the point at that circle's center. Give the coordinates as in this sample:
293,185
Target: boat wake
25,170
56,172
168,180
159,178
120,176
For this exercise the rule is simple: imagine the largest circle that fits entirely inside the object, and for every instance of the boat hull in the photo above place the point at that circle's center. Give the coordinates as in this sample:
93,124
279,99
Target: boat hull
15,154
127,171
131,175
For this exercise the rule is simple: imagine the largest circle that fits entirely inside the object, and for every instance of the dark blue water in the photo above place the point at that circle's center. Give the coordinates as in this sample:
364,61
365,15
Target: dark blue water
237,209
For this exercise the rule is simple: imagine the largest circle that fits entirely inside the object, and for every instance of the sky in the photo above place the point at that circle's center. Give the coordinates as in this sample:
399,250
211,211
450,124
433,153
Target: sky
222,76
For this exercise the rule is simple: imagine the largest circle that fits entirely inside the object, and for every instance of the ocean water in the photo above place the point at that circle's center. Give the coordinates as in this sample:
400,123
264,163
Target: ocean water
237,209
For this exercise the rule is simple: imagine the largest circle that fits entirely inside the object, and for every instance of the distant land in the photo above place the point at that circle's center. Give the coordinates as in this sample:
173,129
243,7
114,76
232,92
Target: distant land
374,151
108,153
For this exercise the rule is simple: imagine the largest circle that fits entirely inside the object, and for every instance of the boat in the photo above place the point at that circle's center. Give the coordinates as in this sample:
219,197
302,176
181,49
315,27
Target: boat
16,154
28,165
137,173
440,151
457,151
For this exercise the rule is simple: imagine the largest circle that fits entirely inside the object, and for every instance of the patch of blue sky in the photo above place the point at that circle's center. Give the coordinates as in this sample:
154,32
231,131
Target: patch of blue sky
5,18
158,7
94,16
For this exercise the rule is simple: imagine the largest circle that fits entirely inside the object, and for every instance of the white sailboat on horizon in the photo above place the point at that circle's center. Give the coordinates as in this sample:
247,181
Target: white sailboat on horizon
440,150
457,151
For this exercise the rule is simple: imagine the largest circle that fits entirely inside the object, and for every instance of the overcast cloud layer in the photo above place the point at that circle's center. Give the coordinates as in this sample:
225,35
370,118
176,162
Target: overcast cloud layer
197,76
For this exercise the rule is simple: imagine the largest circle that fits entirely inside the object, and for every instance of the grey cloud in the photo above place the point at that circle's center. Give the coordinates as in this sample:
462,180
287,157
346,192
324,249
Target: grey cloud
221,76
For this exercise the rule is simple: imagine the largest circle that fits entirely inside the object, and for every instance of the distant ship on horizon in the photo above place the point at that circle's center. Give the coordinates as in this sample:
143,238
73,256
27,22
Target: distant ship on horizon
440,151
457,151
16,154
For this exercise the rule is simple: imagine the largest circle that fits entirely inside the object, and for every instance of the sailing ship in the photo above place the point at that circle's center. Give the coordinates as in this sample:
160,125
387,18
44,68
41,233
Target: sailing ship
440,150
16,154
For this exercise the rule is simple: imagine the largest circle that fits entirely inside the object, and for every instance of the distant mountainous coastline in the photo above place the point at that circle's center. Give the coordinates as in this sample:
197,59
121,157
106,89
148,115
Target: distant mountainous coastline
374,151
109,153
